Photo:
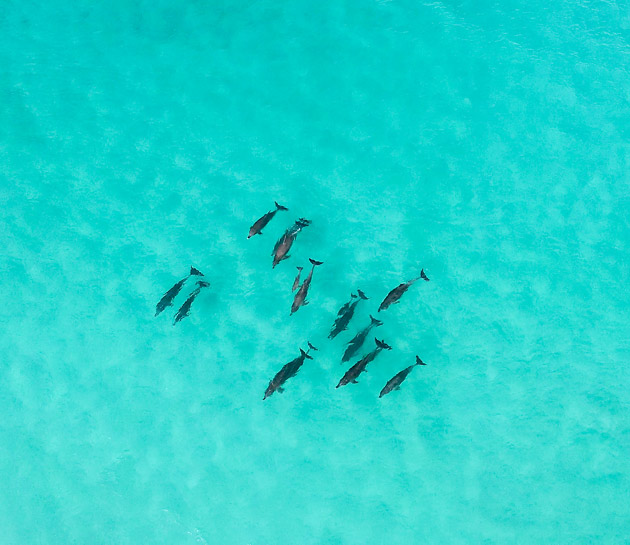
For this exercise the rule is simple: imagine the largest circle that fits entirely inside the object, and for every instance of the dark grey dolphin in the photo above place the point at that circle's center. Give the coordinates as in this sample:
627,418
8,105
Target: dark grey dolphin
395,382
289,370
169,296
258,226
394,296
346,306
282,247
359,339
185,308
345,314
296,282
300,296
353,373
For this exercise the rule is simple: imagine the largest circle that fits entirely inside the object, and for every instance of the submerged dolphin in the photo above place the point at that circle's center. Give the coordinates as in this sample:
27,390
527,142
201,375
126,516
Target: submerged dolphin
394,296
300,296
289,370
169,296
353,373
359,339
395,382
346,306
345,314
258,226
282,247
296,282
185,308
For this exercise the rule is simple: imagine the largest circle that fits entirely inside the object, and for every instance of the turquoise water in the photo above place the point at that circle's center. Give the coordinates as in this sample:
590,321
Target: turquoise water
487,142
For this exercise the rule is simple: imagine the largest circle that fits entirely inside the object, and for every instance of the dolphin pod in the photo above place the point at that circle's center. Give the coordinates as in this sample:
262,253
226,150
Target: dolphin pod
345,314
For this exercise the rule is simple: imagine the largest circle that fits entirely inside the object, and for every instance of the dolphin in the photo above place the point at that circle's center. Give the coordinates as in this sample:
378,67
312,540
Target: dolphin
282,247
353,373
289,370
395,382
169,296
345,314
346,306
185,308
258,226
359,339
394,296
296,282
300,296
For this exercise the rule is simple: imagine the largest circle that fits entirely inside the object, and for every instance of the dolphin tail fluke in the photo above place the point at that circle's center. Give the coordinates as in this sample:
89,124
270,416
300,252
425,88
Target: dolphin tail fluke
375,321
299,268
195,272
362,295
423,276
315,263
312,347
304,354
419,361
279,206
203,284
382,344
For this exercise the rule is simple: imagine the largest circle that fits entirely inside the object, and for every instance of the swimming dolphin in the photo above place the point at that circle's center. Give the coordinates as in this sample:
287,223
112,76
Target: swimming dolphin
359,339
185,308
296,282
169,296
353,373
395,382
282,247
394,296
258,226
345,314
288,371
346,306
300,296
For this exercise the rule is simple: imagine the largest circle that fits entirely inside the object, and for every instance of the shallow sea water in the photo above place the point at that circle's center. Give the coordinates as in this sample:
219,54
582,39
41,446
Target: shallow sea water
487,142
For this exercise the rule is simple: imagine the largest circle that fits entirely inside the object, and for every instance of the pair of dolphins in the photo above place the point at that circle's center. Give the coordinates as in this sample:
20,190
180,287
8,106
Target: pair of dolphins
169,296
